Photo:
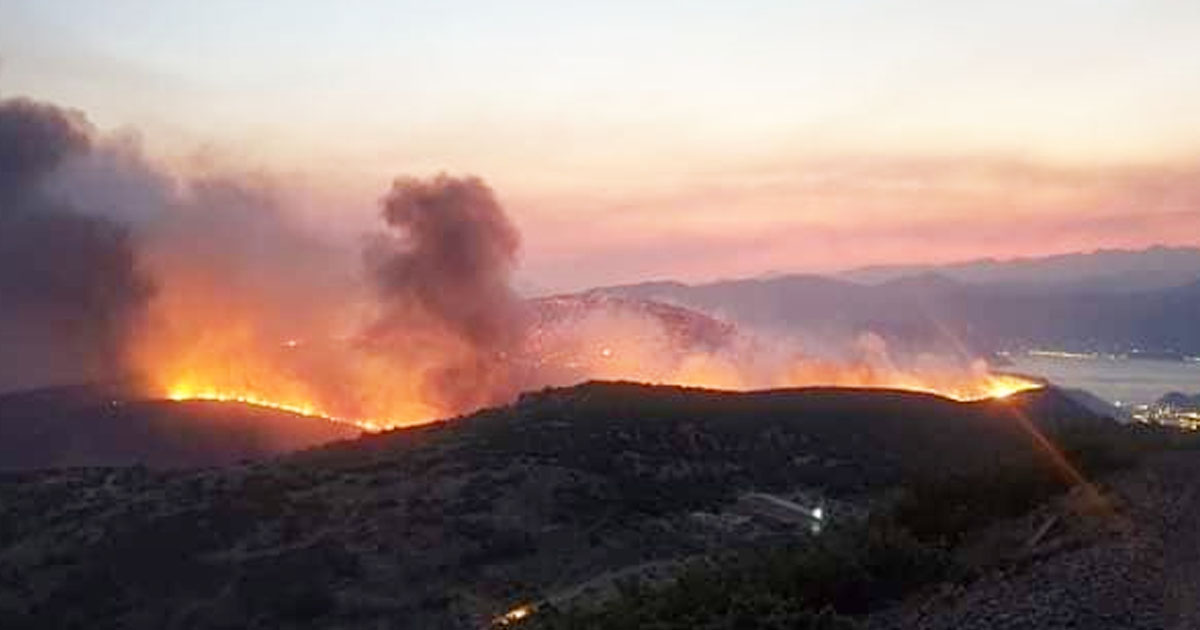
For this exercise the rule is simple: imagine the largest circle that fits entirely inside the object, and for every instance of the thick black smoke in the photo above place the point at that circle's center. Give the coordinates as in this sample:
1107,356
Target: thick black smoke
70,286
445,284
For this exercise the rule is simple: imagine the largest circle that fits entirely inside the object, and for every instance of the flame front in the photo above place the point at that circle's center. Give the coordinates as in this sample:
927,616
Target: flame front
185,393
251,306
963,389
205,341
217,354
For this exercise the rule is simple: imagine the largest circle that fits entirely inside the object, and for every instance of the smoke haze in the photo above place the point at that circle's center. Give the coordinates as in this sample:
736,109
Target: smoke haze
444,277
210,286
71,286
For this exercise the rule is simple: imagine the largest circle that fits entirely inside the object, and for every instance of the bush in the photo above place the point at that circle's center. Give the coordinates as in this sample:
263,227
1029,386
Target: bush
815,585
943,511
825,582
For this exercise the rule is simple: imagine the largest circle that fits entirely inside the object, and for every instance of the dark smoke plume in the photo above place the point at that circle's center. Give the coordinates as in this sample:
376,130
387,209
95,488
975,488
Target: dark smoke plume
70,286
34,139
86,220
445,284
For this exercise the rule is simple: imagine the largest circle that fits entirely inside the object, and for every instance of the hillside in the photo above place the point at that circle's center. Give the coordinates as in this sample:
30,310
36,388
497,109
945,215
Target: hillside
113,426
446,525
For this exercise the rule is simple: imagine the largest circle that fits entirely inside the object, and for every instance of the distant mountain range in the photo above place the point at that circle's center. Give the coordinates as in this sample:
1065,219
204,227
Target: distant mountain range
1105,271
1146,301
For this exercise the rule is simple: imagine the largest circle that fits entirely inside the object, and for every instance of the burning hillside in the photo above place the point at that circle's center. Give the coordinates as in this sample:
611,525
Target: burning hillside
576,338
208,288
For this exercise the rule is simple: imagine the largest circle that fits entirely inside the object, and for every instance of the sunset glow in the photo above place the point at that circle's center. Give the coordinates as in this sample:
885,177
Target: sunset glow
580,145
534,314
636,140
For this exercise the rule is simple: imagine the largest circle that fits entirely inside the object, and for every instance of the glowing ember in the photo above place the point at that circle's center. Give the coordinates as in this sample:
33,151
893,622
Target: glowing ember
513,616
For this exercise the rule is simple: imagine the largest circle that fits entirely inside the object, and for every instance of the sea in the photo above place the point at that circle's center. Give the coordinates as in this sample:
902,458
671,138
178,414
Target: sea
1122,381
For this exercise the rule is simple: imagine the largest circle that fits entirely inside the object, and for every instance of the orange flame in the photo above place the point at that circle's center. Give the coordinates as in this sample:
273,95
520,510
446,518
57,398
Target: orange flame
207,340
182,393
200,360
990,386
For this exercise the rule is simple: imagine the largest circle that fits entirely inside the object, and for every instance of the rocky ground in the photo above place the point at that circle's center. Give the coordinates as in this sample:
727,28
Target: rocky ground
1131,562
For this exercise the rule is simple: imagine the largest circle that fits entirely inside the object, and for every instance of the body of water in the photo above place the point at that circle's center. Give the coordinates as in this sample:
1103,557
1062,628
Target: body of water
1117,380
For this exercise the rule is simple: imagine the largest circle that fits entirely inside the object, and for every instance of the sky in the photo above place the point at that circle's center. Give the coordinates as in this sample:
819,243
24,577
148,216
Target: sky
645,140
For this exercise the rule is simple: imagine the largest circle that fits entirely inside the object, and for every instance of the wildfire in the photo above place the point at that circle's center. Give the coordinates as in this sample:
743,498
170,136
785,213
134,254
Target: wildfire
973,385
431,326
991,387
181,394
204,348
968,386
1003,386
208,343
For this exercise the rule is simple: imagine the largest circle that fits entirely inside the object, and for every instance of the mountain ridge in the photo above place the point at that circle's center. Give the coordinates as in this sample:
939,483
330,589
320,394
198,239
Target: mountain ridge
1156,267
114,425
932,311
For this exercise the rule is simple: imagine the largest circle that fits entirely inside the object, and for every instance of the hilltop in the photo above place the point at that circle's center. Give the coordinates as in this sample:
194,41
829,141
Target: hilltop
117,425
446,525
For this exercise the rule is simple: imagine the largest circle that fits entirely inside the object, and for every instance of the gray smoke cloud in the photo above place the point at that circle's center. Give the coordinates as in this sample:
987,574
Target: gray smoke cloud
110,266
70,282
444,279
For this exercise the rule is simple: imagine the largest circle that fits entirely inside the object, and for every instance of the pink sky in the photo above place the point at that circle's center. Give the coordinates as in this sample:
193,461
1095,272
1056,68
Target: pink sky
633,141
